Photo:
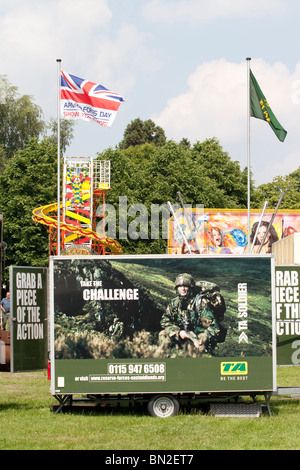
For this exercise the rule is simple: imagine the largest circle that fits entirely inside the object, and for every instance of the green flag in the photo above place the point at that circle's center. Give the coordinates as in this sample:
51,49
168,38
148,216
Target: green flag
260,108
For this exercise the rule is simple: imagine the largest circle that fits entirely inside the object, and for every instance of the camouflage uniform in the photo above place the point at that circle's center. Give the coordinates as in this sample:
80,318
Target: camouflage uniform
191,314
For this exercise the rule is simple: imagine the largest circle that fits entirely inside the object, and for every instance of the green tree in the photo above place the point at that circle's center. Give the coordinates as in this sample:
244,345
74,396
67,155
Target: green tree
270,192
140,132
20,119
204,174
28,181
66,132
229,180
152,175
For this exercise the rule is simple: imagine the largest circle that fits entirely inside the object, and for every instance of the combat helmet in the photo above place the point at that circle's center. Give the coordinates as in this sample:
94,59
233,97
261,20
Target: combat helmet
184,279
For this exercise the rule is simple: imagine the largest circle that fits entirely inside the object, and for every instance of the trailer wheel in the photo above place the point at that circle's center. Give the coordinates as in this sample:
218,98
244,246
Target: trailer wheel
163,406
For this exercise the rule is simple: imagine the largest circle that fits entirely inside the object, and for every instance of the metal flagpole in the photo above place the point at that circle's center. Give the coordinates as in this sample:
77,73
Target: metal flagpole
272,220
258,225
180,229
188,219
58,155
248,151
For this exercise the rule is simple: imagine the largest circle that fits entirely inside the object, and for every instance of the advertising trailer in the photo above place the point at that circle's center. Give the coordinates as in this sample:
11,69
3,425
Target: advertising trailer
29,318
162,328
287,302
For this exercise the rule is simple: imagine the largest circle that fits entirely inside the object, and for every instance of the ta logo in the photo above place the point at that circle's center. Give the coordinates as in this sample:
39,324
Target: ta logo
234,368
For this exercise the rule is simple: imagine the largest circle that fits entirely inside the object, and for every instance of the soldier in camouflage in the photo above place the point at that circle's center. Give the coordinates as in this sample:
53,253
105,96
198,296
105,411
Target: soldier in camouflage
188,317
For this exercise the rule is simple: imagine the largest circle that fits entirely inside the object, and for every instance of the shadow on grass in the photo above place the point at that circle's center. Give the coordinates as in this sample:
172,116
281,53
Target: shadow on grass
278,406
137,409
22,406
286,403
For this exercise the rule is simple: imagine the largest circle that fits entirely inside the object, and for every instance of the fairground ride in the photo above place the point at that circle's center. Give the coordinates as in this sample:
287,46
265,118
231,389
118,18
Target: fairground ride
82,210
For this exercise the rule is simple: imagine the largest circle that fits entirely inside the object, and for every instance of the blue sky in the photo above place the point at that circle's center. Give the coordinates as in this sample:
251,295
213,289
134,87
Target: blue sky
180,63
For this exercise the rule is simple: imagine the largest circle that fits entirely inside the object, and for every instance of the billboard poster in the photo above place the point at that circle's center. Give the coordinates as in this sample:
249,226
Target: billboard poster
29,318
161,323
287,300
224,231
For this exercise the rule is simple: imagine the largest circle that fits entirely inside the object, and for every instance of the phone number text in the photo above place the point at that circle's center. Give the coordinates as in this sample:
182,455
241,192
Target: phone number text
139,368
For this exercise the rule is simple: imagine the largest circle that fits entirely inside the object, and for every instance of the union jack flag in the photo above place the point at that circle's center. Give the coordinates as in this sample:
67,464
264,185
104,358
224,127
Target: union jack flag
82,99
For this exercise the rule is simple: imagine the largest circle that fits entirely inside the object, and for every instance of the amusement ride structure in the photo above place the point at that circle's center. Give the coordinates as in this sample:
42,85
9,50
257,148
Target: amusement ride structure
82,210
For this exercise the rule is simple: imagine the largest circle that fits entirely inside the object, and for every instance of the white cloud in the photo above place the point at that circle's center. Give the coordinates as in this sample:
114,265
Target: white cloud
33,34
102,41
38,29
121,57
288,164
212,106
215,103
85,14
200,11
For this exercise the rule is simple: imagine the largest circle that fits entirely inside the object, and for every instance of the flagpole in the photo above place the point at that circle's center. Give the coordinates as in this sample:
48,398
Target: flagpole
248,151
58,155
179,226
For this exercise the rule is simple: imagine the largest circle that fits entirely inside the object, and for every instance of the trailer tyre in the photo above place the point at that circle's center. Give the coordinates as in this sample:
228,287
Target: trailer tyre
163,406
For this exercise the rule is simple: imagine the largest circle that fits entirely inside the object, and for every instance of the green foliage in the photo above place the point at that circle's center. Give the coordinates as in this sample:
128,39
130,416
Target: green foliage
204,174
152,175
95,345
270,192
28,181
20,119
140,132
145,168
66,133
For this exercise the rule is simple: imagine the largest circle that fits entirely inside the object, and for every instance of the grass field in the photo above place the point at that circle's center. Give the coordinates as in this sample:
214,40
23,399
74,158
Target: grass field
28,423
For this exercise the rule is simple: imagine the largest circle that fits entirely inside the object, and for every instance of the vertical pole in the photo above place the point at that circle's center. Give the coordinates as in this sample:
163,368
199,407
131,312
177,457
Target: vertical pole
272,219
92,185
258,225
58,155
188,220
248,151
180,229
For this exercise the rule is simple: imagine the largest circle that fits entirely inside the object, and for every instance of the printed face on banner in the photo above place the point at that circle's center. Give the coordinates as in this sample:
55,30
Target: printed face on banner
225,231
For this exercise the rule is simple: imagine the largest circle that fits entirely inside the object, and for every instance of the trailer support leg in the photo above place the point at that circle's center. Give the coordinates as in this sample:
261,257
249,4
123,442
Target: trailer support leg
63,400
267,397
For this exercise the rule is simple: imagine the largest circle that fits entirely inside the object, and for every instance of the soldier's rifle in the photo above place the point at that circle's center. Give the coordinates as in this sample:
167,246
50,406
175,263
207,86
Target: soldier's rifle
190,334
